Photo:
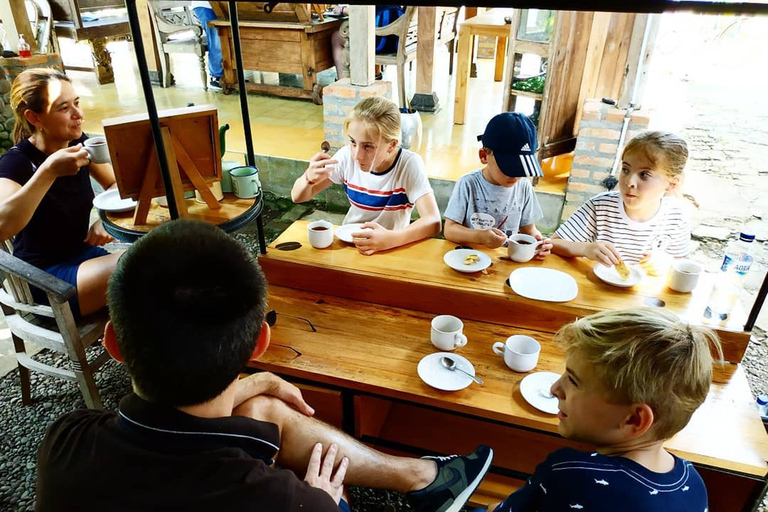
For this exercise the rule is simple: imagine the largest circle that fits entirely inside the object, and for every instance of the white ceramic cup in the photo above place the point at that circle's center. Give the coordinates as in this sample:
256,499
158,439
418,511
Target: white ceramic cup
215,188
447,332
684,275
521,353
320,234
97,149
521,247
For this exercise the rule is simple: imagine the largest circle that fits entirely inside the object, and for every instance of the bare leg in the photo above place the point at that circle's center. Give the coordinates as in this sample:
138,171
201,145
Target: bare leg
337,46
367,467
92,278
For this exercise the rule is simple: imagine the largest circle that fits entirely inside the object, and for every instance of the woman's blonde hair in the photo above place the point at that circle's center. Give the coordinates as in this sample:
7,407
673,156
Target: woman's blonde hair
647,356
663,149
30,92
379,114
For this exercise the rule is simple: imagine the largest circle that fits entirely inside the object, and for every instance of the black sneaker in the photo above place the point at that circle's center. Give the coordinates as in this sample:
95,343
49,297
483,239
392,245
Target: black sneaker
215,85
457,478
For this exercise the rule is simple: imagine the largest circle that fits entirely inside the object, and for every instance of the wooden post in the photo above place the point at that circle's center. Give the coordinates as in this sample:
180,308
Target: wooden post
14,15
155,64
425,98
361,43
639,57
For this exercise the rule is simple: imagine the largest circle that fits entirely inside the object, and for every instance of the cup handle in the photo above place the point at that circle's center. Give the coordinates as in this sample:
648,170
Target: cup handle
459,340
498,348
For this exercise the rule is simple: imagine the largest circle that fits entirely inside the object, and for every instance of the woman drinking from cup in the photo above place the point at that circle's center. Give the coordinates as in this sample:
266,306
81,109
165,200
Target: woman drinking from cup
45,189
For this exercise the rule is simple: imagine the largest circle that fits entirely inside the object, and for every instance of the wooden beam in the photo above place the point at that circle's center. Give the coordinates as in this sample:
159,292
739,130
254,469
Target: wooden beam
16,21
149,35
361,44
425,50
641,45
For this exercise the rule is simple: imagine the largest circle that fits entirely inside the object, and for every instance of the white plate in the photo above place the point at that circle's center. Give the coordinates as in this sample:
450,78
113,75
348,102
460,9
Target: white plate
110,201
535,390
543,284
455,260
610,276
344,233
438,376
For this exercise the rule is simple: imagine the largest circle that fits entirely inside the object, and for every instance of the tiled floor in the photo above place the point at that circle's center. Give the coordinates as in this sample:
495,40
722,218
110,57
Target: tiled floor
294,128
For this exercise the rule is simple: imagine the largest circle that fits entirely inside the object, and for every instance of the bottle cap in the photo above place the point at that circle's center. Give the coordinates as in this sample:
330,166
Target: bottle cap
746,237
762,399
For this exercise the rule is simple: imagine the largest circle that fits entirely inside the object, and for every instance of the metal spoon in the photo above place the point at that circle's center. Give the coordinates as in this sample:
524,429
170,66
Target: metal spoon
451,365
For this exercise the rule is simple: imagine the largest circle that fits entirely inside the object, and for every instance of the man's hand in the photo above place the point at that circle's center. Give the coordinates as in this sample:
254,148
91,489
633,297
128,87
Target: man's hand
373,237
321,476
97,235
544,248
603,252
493,238
269,384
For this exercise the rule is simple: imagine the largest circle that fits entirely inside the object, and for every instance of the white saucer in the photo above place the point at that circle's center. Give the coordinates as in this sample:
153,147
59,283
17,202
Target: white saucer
610,276
543,284
455,260
110,201
535,390
344,233
438,376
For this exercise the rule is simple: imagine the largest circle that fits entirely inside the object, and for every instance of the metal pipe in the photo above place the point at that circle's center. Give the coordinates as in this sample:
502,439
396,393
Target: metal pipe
757,306
149,98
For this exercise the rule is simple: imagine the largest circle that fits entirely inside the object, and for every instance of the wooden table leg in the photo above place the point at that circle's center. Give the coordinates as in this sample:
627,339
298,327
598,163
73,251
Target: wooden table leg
462,75
227,59
501,52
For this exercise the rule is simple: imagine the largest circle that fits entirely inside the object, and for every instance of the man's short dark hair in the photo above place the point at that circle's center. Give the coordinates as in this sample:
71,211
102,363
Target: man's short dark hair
187,304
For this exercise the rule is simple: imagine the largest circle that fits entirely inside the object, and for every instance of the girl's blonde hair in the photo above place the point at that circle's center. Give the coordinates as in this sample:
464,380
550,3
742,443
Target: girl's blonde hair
379,114
30,92
647,356
663,149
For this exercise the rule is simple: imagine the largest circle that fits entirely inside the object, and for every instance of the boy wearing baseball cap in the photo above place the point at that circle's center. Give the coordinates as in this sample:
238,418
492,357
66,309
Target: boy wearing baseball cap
493,203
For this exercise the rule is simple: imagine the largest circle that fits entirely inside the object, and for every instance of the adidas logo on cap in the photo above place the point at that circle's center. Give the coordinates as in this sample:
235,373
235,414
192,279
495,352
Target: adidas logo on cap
526,147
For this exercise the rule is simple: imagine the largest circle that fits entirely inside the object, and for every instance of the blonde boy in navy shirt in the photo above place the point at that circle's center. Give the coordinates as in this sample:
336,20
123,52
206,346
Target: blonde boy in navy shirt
632,380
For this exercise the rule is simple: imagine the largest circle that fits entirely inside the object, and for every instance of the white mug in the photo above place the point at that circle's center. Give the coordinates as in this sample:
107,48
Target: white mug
521,353
522,247
684,275
320,234
97,149
447,332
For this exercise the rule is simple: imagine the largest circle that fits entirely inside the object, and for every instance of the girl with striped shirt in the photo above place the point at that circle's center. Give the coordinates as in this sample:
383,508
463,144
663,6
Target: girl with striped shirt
638,219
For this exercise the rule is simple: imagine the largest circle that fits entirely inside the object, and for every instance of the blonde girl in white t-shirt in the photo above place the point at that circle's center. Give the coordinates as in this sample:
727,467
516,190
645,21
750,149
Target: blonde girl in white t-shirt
382,180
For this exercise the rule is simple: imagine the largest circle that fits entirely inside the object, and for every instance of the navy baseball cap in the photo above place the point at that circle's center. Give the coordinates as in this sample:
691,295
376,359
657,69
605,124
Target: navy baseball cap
512,137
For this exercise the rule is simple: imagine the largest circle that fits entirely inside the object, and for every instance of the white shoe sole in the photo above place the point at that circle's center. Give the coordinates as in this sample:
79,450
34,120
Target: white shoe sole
463,498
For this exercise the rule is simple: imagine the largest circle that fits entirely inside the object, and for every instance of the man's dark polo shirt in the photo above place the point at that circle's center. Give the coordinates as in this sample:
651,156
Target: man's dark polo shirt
149,457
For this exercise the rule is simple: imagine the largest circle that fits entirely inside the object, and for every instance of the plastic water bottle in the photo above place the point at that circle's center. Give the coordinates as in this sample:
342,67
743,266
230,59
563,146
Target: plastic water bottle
728,284
23,49
762,405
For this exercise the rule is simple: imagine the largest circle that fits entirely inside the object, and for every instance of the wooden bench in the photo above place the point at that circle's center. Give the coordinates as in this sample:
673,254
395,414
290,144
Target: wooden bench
371,318
72,20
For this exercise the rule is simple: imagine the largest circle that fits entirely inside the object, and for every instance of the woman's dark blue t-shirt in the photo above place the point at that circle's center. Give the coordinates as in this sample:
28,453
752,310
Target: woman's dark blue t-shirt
57,229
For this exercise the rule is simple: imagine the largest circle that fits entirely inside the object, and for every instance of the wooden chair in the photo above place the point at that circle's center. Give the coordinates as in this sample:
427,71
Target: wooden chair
447,31
405,28
60,333
40,20
178,31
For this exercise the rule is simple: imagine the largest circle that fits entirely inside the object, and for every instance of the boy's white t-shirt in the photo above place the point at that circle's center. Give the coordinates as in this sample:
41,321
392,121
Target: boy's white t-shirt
387,197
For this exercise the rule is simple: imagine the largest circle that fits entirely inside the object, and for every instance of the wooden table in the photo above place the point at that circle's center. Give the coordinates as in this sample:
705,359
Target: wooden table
430,285
490,23
233,214
361,360
282,47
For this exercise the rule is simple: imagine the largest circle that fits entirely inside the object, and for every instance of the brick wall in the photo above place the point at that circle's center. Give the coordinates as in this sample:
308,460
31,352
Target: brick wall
339,99
595,152
10,69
